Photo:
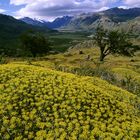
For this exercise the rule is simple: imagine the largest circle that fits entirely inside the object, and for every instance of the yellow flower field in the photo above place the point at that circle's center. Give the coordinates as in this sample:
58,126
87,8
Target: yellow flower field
43,104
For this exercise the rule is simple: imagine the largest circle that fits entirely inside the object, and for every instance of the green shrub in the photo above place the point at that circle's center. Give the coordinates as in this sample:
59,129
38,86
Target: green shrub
3,60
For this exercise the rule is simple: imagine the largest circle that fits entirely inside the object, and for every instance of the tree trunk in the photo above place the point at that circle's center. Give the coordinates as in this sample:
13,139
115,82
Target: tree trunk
102,56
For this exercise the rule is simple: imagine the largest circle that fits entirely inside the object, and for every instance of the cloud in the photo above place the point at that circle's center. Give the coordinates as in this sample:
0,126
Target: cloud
132,3
2,10
49,9
20,2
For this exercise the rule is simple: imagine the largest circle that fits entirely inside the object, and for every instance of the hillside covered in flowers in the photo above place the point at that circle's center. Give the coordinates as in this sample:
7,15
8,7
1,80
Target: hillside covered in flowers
39,103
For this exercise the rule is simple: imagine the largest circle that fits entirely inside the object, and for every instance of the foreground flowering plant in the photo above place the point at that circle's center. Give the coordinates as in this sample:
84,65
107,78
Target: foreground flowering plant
38,103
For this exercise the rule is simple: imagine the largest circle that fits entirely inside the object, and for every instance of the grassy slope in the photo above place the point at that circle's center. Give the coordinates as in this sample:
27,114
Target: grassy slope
94,108
73,58
119,65
38,99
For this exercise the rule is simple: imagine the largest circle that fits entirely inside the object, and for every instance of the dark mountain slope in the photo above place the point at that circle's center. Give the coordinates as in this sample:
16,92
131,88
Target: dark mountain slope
59,22
11,29
122,15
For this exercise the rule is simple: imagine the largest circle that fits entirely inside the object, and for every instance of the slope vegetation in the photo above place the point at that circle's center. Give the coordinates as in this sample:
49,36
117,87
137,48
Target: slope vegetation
39,103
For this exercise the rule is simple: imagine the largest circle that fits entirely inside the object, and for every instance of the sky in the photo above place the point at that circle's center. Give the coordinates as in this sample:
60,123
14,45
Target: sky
50,9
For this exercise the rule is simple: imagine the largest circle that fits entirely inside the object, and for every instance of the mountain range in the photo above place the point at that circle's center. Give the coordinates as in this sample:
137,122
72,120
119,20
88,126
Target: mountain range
127,19
112,18
57,23
122,19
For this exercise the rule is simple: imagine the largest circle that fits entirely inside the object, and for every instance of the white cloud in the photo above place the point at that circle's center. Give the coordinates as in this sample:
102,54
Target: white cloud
49,9
52,8
132,3
20,2
2,10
